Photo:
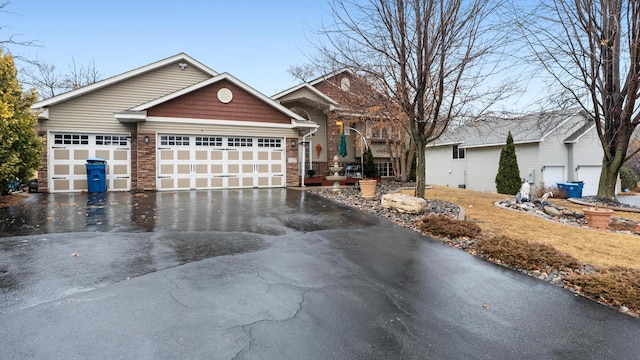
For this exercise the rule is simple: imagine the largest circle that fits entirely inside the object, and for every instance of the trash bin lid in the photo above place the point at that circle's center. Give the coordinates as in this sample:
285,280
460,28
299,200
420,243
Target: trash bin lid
96,161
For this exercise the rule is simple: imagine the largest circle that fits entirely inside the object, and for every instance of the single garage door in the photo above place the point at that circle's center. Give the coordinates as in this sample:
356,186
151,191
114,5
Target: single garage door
67,159
219,162
552,175
591,177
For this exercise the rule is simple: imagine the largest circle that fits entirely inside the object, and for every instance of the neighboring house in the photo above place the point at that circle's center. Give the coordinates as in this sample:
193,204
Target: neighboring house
329,102
551,147
174,124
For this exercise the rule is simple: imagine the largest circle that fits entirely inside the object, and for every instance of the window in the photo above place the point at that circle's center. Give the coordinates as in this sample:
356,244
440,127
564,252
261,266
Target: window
274,143
208,141
458,153
70,139
240,142
111,140
166,140
384,169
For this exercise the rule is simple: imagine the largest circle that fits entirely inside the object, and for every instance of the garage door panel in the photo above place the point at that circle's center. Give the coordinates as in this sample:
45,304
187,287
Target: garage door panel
201,169
166,154
103,154
247,169
120,184
183,169
216,183
121,155
233,182
61,169
61,154
81,154
233,155
62,185
80,184
233,169
216,155
120,170
276,168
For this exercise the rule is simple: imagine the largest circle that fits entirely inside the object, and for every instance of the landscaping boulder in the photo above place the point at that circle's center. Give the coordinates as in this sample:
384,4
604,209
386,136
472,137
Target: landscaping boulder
403,203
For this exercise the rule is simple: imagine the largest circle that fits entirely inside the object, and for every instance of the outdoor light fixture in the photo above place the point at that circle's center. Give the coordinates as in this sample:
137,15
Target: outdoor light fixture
146,139
293,142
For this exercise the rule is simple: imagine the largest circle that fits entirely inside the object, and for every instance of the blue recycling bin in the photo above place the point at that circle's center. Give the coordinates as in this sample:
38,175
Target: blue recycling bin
573,189
96,175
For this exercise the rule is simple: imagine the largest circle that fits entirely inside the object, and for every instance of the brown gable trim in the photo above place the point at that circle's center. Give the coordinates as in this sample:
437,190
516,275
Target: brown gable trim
203,103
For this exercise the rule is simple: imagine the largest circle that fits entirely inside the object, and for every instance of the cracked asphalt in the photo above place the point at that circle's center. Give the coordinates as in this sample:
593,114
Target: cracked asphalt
269,274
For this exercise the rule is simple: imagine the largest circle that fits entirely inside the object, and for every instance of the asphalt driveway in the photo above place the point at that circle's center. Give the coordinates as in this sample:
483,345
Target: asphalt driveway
269,274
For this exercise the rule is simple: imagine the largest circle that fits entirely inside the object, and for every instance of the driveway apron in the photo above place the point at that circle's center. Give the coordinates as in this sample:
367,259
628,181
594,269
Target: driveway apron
269,274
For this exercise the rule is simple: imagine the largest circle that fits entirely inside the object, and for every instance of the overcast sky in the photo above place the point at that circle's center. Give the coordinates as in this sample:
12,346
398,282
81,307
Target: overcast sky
255,41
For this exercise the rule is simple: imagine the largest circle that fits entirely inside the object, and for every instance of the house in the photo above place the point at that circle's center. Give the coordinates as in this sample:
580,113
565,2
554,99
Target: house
551,147
333,103
174,124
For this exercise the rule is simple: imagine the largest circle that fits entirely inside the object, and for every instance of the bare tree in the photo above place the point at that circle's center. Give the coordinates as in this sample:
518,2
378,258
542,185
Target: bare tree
592,49
428,56
49,82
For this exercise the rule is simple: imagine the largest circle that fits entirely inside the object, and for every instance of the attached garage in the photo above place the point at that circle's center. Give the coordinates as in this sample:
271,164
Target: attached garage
551,175
68,153
218,162
590,175
174,124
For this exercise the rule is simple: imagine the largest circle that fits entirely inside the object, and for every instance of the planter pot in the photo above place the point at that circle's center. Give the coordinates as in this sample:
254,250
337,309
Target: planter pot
597,218
368,188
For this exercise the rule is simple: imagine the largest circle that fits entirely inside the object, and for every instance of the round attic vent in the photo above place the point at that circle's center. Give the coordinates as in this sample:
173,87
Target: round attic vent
225,95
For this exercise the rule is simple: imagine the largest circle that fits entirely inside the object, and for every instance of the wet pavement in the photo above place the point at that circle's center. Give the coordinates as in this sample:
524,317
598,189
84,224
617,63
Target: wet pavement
269,274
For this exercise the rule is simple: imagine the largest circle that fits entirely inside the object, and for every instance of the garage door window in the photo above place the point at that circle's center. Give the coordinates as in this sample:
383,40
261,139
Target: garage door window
174,140
273,143
111,140
71,139
240,142
208,141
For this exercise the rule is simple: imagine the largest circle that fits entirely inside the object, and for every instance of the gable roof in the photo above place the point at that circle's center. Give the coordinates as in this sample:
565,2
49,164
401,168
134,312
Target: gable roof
329,76
532,128
301,88
138,113
124,76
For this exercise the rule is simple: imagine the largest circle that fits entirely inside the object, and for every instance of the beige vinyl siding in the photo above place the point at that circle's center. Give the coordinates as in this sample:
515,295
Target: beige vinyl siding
439,161
482,167
95,111
320,136
588,151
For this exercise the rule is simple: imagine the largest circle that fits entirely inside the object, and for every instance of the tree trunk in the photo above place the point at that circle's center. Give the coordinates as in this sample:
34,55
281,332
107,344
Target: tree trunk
609,178
420,167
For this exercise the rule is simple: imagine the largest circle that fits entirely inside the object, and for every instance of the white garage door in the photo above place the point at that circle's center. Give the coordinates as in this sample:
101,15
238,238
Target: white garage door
68,153
552,175
216,162
591,177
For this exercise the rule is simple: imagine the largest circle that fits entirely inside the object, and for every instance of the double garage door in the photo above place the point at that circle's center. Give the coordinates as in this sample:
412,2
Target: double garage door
68,154
217,162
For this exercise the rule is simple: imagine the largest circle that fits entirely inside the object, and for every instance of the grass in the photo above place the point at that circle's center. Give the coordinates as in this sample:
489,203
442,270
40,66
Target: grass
524,241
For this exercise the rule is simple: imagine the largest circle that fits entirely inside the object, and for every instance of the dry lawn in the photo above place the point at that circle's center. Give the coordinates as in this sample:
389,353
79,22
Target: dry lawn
589,246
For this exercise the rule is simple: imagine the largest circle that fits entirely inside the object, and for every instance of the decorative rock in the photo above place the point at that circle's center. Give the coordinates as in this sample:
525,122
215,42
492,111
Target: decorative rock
403,203
624,309
552,211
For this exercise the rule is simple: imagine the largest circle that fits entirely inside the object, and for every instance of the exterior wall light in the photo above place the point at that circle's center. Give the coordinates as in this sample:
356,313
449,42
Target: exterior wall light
146,139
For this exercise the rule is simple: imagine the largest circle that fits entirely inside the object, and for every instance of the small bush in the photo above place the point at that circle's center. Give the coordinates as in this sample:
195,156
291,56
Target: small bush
617,286
439,225
525,255
628,179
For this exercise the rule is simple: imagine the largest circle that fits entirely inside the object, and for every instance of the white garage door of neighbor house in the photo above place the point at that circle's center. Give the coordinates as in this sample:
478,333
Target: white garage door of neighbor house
68,153
218,162
552,175
591,177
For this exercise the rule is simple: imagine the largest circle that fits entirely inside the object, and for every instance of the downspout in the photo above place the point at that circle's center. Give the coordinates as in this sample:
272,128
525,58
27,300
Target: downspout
303,142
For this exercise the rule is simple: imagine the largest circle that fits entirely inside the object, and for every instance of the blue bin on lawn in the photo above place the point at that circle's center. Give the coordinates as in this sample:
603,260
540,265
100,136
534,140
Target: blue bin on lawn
573,189
96,175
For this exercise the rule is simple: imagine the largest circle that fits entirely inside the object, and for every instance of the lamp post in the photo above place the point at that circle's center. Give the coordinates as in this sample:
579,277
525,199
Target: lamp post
361,150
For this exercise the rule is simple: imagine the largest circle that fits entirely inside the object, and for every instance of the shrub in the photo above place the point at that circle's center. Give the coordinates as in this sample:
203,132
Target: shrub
439,225
616,285
508,176
525,255
628,179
